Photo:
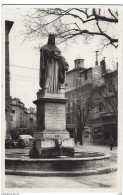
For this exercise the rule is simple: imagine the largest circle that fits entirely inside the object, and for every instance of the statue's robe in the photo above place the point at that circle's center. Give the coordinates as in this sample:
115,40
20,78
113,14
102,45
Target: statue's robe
52,68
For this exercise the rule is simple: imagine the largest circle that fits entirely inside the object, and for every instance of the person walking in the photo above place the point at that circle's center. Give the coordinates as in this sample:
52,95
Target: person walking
111,142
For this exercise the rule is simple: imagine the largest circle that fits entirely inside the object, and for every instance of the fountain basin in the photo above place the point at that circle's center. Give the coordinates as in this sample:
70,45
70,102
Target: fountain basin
60,166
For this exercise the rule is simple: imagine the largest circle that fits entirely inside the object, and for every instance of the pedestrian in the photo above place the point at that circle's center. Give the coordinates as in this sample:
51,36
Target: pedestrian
111,142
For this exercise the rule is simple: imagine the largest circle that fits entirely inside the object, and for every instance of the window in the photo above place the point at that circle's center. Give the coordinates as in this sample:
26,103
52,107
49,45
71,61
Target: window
67,95
11,118
86,76
68,106
78,82
12,111
68,118
73,106
110,88
31,120
101,106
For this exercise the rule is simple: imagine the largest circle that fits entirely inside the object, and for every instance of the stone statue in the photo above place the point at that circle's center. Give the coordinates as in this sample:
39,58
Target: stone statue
52,66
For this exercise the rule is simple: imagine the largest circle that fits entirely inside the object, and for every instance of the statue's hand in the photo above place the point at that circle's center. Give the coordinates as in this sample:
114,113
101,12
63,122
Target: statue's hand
49,53
57,57
52,52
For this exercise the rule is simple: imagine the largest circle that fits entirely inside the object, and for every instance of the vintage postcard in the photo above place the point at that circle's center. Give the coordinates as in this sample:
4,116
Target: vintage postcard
62,98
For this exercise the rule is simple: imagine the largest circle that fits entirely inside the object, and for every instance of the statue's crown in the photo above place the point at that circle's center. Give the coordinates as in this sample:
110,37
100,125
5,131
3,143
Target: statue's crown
51,35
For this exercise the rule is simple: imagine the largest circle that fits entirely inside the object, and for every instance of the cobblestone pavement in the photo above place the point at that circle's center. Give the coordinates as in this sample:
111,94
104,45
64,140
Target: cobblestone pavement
105,181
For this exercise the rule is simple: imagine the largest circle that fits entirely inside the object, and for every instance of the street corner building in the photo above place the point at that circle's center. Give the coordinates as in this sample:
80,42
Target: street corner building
92,108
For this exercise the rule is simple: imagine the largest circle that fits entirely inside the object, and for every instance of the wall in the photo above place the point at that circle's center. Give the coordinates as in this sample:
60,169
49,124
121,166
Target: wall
97,75
32,121
8,26
71,77
86,77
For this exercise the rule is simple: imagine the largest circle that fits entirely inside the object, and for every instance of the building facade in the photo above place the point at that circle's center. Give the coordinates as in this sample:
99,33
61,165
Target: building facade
32,120
104,122
8,26
22,120
73,76
101,121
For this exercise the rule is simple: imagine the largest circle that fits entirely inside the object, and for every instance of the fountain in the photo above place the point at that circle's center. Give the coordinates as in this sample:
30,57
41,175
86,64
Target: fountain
51,151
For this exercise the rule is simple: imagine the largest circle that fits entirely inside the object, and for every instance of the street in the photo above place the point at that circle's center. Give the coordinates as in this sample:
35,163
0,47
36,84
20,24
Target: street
93,181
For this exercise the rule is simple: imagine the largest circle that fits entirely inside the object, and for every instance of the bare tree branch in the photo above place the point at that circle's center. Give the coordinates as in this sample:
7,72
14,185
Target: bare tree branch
112,14
83,19
103,18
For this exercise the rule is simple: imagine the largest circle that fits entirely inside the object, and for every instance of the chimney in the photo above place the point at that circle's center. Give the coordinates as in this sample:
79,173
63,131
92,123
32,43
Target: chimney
96,63
103,65
79,63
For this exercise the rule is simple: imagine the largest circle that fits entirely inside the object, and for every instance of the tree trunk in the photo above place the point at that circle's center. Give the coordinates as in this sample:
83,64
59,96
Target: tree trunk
81,138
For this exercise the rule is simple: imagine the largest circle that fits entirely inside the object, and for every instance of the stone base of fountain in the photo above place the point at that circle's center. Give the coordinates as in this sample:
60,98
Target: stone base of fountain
51,147
60,166
51,138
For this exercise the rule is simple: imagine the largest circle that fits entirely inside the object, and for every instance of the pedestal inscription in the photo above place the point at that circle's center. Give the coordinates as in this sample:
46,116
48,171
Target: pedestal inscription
55,116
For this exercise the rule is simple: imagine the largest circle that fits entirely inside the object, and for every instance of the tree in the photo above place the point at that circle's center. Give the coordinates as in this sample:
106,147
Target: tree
110,94
82,102
73,22
107,89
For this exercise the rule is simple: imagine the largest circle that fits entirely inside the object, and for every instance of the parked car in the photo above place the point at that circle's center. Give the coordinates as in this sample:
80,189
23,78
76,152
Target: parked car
9,143
23,141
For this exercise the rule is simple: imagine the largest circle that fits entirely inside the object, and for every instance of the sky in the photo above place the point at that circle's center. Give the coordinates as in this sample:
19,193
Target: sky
24,83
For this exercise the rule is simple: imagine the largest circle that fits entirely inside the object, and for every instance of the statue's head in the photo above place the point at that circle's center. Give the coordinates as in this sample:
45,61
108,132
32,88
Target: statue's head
51,39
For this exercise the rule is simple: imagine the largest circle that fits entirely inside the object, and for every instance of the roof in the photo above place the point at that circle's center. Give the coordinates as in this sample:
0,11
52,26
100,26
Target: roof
75,69
113,73
87,69
78,59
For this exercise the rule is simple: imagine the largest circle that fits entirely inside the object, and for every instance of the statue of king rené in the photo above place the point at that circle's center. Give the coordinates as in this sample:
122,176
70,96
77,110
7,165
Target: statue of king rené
52,66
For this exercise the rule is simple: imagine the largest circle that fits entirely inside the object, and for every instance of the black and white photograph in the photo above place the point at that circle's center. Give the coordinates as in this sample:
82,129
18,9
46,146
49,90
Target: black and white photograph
61,95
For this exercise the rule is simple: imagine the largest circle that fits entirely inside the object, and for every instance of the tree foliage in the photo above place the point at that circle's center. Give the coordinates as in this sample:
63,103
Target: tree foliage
73,22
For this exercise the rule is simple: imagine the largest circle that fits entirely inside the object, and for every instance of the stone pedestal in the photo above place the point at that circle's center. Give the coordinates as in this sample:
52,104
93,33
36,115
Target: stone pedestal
51,138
